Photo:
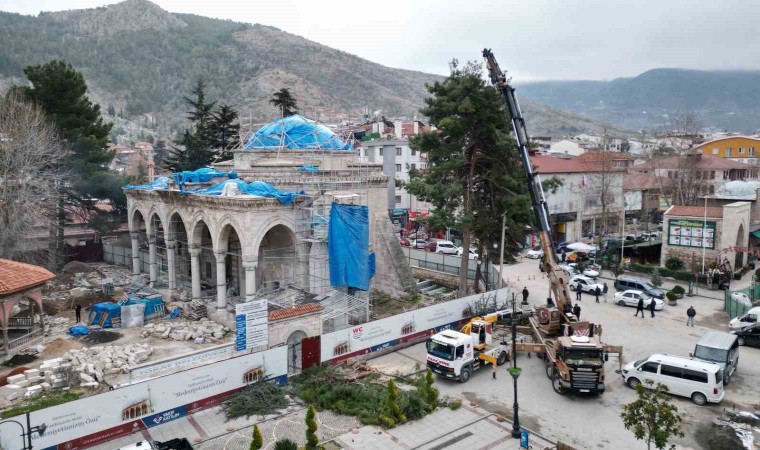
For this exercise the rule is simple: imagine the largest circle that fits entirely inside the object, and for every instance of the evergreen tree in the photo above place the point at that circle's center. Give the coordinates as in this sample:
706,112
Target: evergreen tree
312,441
202,111
191,152
285,102
395,410
225,130
473,173
258,440
62,93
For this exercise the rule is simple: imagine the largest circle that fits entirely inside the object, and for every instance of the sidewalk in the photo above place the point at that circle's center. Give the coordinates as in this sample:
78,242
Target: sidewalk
668,284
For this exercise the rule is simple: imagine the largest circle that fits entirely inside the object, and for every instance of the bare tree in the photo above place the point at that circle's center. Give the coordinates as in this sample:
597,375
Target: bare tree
601,182
674,163
31,152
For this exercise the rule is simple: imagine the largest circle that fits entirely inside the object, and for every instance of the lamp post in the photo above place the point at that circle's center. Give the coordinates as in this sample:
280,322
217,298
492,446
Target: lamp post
501,257
26,434
515,372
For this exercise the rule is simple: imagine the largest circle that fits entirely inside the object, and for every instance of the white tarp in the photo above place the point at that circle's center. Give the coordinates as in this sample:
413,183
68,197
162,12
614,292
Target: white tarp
133,316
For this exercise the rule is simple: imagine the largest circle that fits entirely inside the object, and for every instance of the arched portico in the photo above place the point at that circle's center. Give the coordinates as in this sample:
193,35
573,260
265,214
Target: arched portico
137,233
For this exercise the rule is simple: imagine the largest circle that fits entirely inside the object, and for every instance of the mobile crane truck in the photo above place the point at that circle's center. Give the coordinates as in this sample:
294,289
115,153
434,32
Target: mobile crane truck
575,361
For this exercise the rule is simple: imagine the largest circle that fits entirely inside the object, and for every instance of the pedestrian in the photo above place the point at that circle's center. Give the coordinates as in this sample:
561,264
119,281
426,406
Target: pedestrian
577,311
690,313
564,256
78,311
525,295
651,307
604,291
640,308
597,293
578,291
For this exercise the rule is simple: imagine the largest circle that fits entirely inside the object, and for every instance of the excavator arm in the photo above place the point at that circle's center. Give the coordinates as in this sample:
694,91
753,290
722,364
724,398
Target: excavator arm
557,277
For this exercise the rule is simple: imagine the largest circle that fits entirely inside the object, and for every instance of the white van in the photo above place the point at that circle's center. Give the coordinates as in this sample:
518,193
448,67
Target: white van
701,381
745,320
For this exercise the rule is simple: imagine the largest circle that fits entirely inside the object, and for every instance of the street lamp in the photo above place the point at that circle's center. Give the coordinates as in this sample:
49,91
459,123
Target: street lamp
26,435
515,372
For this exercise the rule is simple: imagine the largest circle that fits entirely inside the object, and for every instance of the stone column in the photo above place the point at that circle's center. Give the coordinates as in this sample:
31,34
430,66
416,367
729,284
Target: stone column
171,261
195,271
135,235
152,260
221,280
250,278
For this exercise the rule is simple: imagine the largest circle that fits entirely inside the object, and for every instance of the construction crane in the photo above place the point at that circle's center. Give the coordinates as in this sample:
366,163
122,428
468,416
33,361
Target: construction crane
575,361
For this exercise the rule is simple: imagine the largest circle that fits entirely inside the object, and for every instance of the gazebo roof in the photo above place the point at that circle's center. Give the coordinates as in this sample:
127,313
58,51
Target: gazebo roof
18,277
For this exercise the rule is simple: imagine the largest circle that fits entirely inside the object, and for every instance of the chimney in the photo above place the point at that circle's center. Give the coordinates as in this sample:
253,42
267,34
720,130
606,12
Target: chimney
374,127
381,127
397,127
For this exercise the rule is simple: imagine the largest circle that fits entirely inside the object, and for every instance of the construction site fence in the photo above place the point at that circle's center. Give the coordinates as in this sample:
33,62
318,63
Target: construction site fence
122,256
735,307
450,264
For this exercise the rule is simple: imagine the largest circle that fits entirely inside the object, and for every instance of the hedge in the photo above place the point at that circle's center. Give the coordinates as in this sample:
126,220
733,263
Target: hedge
681,275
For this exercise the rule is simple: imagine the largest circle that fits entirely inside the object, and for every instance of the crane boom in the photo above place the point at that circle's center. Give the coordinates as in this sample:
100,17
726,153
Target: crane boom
556,275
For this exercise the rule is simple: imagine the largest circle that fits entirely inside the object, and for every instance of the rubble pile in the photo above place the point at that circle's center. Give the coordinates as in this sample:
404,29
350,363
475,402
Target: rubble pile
94,363
51,374
186,330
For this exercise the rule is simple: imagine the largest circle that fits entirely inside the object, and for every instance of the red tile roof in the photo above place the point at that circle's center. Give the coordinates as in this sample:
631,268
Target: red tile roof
17,277
552,164
634,180
703,162
300,310
596,155
712,212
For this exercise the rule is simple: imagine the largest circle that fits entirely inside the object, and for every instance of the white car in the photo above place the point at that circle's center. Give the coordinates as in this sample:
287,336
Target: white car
587,284
419,243
446,247
535,253
631,298
590,272
749,318
473,253
570,270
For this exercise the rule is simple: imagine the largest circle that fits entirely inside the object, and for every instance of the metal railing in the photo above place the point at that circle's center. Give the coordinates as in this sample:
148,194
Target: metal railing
24,341
20,322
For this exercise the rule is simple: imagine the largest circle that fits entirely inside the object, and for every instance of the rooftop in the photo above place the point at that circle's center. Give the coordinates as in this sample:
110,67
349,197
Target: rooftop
695,161
725,138
634,180
554,164
18,277
713,212
295,133
598,156
295,311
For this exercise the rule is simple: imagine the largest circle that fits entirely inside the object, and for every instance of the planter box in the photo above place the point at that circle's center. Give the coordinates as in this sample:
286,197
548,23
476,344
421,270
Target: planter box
672,302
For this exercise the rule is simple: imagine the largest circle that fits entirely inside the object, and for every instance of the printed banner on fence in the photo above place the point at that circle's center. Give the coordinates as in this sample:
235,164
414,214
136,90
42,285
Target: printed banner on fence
100,418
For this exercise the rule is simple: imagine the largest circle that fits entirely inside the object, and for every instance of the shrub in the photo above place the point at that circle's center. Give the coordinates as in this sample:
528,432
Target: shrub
456,404
678,290
656,278
258,439
393,407
683,275
674,263
258,399
671,296
285,444
618,270
312,441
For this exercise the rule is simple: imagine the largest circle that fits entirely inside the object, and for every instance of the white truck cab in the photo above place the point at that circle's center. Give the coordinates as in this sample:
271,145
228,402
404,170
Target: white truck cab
456,355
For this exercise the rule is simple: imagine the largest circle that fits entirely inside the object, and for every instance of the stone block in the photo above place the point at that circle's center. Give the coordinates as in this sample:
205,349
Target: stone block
23,383
13,379
90,384
32,373
15,387
86,378
46,386
33,390
35,380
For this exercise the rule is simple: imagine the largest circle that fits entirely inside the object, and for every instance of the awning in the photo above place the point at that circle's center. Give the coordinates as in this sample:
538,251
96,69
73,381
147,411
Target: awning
756,233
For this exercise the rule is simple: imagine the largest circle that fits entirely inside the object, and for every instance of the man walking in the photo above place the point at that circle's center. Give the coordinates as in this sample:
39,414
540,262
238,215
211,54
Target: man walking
597,293
525,295
651,307
78,311
604,291
578,291
577,311
690,313
640,308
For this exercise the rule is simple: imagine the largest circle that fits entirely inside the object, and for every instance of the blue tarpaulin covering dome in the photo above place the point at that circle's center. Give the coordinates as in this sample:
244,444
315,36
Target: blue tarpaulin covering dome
295,132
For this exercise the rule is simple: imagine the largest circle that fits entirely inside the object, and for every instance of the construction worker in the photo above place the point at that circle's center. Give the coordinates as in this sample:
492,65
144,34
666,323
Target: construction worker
577,311
597,293
525,295
651,307
640,307
578,291
78,311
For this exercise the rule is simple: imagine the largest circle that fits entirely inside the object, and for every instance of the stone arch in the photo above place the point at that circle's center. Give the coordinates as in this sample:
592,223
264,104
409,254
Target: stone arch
176,231
740,244
226,226
137,218
295,354
278,261
201,237
229,242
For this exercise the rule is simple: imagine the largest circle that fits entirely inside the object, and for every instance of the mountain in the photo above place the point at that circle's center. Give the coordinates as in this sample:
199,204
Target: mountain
140,60
721,99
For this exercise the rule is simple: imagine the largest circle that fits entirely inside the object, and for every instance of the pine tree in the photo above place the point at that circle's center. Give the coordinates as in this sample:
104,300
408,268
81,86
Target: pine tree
258,440
312,441
202,111
191,152
431,393
285,102
393,407
225,131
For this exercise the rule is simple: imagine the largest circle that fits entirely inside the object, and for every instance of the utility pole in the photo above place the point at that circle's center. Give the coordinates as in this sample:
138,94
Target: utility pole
501,257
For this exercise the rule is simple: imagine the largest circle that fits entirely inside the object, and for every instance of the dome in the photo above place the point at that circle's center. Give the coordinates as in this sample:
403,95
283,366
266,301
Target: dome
295,132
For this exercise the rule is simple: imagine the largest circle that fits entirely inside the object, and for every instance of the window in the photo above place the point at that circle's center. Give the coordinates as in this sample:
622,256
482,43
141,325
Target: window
650,367
712,174
460,351
340,349
671,371
715,151
694,375
728,151
751,151
399,151
398,167
398,199
414,152
741,150
413,166
407,329
381,151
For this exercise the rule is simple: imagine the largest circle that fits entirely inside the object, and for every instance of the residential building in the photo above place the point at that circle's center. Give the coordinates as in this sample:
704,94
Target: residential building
607,158
643,199
588,193
737,148
567,147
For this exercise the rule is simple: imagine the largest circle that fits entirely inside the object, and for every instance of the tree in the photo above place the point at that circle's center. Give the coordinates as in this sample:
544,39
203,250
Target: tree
656,278
31,159
652,417
285,102
191,152
258,440
312,441
431,393
393,408
603,180
285,444
225,130
201,112
471,176
61,91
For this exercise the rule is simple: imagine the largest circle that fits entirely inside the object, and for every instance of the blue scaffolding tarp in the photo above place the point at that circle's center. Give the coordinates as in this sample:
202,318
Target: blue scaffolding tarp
295,132
258,188
200,176
158,183
154,305
351,264
107,315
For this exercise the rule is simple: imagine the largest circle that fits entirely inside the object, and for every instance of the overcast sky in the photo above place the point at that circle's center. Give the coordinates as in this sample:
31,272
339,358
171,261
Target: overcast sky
533,39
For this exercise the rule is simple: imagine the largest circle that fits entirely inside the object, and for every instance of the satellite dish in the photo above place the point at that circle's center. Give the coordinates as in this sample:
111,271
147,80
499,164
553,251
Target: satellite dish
580,339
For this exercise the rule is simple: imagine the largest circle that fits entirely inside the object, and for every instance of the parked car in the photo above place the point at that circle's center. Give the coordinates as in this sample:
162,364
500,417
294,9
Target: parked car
560,246
748,336
569,270
587,284
405,242
624,283
698,380
445,247
591,272
535,253
473,253
420,243
719,348
631,298
745,320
